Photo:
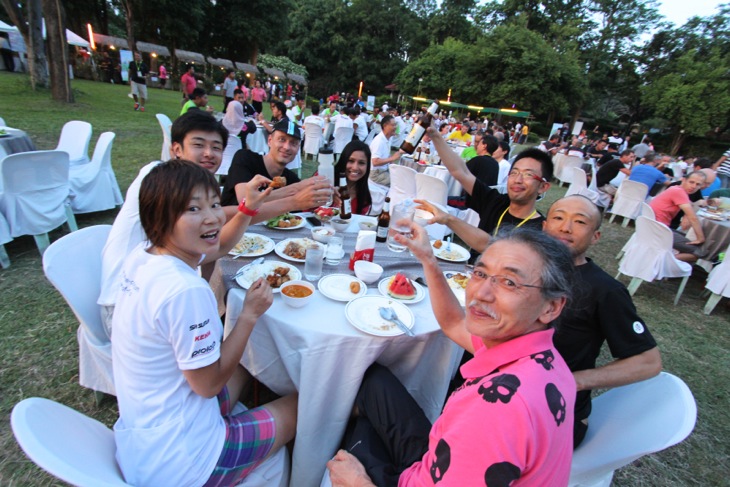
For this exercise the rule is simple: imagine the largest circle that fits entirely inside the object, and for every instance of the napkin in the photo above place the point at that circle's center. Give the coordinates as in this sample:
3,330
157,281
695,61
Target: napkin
364,248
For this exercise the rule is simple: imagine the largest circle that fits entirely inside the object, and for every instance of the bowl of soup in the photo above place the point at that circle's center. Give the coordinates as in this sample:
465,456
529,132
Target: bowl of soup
297,293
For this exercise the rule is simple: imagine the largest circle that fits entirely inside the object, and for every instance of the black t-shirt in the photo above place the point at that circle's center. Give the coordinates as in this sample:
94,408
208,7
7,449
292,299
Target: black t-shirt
594,153
245,165
485,169
490,204
608,171
608,156
601,310
138,72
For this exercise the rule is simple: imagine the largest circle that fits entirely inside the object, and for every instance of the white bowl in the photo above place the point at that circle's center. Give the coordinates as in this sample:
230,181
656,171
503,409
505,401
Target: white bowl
368,272
322,234
297,302
340,225
368,224
421,217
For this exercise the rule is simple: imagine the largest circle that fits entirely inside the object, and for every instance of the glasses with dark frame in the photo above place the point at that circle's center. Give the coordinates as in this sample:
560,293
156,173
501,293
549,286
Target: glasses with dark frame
526,174
502,282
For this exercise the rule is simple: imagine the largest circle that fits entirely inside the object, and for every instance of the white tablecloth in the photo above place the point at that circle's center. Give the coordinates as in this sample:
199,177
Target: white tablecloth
315,351
257,142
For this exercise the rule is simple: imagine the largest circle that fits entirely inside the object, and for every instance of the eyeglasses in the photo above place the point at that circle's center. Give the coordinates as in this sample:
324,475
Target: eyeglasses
502,282
527,174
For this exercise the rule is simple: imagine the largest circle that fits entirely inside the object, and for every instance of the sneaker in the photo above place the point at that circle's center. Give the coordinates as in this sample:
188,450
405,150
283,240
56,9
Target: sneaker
141,109
136,106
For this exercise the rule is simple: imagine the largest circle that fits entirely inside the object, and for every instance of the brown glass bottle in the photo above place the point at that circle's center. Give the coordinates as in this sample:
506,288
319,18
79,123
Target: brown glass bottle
383,222
416,133
346,205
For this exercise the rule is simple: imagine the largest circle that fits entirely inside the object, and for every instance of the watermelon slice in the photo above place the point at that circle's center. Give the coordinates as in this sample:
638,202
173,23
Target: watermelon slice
400,287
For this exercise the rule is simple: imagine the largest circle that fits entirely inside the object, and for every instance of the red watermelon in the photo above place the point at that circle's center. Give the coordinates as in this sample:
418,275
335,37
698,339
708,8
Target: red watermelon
400,287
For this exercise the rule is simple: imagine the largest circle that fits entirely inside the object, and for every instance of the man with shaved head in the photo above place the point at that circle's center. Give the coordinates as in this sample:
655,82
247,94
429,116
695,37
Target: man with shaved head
602,311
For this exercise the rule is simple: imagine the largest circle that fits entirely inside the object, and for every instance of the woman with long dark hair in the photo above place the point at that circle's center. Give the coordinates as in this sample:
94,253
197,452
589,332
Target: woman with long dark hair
354,162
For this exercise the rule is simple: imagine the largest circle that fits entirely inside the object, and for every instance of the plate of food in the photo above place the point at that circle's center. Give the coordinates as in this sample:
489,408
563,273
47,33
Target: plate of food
362,313
457,282
450,252
287,221
400,288
276,274
326,213
717,215
342,287
294,249
252,245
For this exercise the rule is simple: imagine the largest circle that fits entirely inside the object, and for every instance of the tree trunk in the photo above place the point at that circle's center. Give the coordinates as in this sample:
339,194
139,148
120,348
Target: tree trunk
33,36
677,142
130,28
550,120
57,50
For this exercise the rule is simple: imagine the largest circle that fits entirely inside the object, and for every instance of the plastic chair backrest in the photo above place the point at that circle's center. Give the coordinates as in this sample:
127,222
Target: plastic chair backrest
631,421
71,446
431,188
75,138
35,171
651,233
632,190
312,138
234,145
577,181
165,125
103,150
402,184
647,211
718,281
2,122
73,265
343,136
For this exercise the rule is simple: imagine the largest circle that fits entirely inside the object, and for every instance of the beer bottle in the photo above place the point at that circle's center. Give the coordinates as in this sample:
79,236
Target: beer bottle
416,134
383,222
346,205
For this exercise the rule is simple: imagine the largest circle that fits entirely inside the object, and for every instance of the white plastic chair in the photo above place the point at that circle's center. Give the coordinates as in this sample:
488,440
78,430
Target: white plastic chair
563,172
629,422
718,283
646,211
165,125
431,188
578,185
73,265
402,184
296,163
36,194
81,451
343,136
234,145
2,122
650,257
378,192
628,200
312,139
75,139
95,185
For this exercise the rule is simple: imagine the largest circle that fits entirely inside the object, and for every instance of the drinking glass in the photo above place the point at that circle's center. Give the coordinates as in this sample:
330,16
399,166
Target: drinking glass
400,212
334,251
313,262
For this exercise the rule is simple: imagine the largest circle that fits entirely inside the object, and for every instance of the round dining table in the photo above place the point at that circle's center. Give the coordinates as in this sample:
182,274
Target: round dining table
717,236
316,351
13,141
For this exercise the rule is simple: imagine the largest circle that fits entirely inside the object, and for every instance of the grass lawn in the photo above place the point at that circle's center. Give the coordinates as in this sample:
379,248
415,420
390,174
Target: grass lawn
39,352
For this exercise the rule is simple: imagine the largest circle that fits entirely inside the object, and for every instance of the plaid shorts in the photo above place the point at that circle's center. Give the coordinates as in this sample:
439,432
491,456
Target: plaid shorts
249,438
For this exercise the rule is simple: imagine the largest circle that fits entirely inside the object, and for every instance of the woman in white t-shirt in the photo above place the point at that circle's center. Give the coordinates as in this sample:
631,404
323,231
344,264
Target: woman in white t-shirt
177,380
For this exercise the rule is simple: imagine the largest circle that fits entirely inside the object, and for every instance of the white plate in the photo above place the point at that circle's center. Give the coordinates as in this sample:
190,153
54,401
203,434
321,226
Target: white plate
264,269
362,313
279,248
337,287
383,288
293,227
458,291
458,253
252,245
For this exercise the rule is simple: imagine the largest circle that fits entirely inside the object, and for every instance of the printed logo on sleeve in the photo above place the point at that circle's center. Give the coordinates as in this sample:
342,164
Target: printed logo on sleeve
638,327
203,336
203,351
199,325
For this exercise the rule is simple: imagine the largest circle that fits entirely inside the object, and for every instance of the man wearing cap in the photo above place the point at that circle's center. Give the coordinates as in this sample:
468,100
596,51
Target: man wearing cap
284,143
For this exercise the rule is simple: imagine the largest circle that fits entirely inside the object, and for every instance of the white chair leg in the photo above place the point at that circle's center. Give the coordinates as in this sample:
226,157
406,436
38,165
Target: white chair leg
4,259
681,289
620,254
625,223
712,302
71,219
634,285
42,242
613,215
618,275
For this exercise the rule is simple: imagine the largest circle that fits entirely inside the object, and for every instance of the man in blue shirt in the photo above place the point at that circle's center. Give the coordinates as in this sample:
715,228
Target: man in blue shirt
647,173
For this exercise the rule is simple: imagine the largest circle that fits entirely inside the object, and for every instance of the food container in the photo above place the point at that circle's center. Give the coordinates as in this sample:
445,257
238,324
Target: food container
368,224
368,272
322,234
297,302
422,217
340,225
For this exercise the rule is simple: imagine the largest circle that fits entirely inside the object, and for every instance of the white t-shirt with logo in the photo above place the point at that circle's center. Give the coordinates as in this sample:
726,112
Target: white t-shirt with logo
166,321
380,148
